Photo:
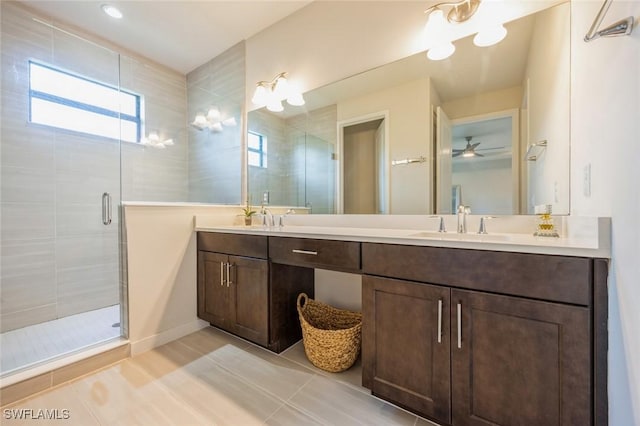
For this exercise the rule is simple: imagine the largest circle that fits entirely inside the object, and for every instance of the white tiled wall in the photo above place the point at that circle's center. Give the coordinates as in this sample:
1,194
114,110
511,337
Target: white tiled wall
215,159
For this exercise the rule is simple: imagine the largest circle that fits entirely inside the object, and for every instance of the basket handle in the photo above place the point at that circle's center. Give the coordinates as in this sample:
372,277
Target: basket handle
300,297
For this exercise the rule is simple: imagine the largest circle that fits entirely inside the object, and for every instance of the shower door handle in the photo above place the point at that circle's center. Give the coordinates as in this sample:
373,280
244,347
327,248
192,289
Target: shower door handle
106,208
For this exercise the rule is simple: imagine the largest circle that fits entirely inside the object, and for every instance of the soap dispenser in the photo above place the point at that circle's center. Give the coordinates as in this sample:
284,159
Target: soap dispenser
545,226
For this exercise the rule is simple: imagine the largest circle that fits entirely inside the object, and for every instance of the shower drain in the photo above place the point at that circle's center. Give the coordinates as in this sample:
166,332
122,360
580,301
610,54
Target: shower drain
115,324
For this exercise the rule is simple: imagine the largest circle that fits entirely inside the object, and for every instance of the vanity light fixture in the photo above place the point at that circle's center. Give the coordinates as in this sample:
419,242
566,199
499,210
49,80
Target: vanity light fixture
272,93
212,120
459,12
112,11
153,140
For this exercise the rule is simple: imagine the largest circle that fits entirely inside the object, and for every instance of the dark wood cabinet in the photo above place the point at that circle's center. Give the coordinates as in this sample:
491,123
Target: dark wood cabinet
233,294
519,362
521,348
406,344
241,291
461,336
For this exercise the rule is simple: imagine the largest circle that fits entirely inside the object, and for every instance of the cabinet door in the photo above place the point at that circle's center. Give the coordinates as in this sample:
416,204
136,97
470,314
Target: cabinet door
213,300
406,351
249,298
519,362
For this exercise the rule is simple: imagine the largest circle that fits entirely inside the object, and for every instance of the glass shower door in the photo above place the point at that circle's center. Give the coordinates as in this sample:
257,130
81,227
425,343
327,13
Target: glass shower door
62,123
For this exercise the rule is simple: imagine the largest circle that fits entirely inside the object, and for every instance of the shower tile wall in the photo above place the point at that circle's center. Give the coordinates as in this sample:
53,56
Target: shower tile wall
314,165
277,177
55,260
215,158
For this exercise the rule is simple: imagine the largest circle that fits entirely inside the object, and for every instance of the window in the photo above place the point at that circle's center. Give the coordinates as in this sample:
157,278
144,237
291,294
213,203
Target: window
257,150
67,101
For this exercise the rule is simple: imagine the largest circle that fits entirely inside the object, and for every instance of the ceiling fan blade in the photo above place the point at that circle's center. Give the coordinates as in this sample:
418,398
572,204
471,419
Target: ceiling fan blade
475,145
479,155
457,154
486,149
458,150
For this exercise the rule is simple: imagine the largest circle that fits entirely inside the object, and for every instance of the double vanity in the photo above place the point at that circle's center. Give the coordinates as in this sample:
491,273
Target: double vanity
464,330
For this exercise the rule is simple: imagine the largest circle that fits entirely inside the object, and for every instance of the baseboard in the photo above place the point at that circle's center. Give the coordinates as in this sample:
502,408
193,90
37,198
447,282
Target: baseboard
166,336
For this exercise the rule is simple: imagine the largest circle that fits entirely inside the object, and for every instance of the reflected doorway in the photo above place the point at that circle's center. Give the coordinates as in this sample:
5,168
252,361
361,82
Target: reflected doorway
363,166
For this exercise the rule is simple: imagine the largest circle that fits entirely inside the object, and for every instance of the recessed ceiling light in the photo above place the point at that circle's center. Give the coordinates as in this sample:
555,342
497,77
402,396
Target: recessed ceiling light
112,11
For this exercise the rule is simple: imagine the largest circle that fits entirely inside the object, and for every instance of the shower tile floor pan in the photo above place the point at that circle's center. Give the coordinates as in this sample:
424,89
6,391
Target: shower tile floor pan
37,343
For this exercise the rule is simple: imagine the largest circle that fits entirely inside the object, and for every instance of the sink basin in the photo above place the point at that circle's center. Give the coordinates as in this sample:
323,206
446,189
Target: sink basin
461,237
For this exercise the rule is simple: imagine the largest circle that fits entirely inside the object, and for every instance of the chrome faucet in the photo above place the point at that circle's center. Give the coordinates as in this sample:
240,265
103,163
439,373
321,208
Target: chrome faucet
463,211
441,227
483,224
282,216
267,218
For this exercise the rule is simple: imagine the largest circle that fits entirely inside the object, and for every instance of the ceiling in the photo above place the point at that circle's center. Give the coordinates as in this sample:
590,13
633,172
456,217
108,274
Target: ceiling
179,34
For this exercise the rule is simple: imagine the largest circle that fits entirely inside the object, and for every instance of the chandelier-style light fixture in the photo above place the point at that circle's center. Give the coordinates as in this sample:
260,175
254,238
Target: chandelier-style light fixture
272,93
212,120
459,12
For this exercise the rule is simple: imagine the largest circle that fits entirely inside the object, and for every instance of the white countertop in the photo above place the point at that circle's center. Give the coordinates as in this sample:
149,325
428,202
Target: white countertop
587,246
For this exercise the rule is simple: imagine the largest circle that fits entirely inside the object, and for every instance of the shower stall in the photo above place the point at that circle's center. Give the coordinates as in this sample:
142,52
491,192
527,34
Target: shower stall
85,128
60,159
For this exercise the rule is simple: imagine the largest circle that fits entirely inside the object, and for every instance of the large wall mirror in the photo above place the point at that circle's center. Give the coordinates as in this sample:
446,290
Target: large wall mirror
487,128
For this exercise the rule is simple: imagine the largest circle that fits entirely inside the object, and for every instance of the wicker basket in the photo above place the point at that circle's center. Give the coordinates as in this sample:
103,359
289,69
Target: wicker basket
331,336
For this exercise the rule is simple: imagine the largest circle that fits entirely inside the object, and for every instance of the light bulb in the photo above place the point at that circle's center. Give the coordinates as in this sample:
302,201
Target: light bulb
490,35
112,11
441,51
468,154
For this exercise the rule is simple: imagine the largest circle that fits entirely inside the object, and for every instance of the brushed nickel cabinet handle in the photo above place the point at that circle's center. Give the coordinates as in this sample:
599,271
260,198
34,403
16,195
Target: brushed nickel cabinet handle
440,321
229,265
459,325
313,253
221,273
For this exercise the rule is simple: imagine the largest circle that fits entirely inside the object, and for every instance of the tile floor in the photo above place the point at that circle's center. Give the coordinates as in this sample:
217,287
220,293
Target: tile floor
210,377
34,344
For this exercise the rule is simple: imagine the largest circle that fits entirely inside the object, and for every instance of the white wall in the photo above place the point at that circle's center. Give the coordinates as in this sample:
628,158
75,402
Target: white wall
548,109
161,256
487,185
605,132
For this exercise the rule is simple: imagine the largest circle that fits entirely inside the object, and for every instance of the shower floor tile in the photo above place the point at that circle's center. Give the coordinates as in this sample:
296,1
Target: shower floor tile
41,342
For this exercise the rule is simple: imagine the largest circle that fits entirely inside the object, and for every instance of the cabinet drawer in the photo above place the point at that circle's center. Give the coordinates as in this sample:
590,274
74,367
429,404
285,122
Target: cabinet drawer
340,255
555,278
237,244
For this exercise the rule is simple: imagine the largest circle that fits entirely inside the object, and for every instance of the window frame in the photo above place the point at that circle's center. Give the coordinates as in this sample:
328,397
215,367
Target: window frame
261,150
55,99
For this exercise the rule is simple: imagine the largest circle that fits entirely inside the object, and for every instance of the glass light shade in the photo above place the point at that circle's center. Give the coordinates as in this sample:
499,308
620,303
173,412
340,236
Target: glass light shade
213,114
216,127
468,154
436,21
295,99
231,121
260,96
154,137
200,120
441,51
281,88
275,106
490,35
168,142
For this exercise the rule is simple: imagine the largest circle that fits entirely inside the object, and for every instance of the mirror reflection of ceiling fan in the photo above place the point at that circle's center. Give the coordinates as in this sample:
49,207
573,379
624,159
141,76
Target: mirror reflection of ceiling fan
471,149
